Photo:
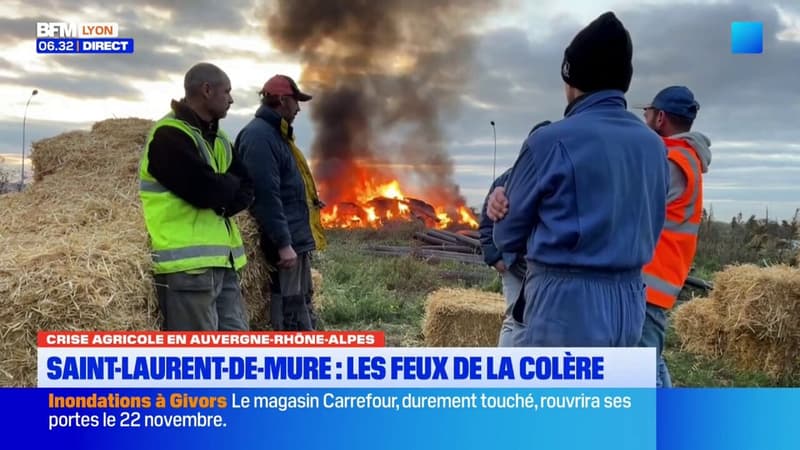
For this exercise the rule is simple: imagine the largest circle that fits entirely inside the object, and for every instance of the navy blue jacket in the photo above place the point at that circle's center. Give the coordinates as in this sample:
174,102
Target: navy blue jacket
491,254
280,207
486,228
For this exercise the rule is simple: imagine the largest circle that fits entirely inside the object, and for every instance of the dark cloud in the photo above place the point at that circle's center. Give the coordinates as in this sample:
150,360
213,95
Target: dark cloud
747,98
160,47
206,15
11,132
184,16
742,96
82,86
13,30
516,85
156,54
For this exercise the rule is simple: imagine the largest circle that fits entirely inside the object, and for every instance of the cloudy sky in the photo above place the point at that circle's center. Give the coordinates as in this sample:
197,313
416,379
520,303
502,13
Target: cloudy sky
750,104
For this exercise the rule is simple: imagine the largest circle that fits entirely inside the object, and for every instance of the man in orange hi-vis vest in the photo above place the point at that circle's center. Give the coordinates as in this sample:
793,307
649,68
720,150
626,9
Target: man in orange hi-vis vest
671,114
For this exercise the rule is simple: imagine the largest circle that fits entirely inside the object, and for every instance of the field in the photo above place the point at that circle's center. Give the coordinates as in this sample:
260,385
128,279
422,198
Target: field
363,291
359,290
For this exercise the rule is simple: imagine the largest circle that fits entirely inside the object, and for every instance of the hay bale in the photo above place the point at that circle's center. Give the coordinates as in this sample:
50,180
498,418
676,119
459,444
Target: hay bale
763,319
463,318
75,249
779,361
316,280
763,301
751,318
699,327
319,301
255,276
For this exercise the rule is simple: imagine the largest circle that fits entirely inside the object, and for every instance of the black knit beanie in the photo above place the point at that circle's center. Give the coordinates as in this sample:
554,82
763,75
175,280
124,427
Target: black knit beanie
599,57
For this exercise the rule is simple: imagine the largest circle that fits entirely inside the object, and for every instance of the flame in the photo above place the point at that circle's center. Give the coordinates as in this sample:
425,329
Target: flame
378,203
371,216
467,217
391,190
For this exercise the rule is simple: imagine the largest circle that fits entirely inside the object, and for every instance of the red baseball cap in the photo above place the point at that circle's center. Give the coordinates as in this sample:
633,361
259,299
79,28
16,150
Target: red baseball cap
284,85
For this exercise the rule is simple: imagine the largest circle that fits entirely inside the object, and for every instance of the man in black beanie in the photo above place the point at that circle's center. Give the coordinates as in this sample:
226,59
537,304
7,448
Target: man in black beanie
586,202
599,57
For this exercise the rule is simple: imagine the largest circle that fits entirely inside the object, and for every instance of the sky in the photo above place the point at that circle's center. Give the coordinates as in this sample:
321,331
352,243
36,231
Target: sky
750,104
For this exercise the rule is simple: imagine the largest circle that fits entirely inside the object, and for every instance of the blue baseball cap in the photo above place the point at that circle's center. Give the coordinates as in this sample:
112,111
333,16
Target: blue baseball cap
677,100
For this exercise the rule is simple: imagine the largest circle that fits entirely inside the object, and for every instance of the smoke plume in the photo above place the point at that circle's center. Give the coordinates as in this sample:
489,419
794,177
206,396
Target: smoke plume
385,75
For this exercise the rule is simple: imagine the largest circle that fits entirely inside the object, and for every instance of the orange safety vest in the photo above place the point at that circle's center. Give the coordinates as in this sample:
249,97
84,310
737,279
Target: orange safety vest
676,247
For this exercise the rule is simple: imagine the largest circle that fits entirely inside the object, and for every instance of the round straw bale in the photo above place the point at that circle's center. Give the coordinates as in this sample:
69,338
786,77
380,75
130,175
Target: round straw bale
75,250
463,318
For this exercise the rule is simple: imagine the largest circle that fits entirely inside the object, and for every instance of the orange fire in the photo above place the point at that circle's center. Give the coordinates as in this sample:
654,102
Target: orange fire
377,204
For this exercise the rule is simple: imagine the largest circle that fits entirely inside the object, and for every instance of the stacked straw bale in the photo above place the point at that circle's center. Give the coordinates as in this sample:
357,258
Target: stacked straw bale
463,318
319,299
752,318
75,250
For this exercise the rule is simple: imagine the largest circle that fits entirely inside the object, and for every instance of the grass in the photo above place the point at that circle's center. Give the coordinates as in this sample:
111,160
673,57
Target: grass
363,291
367,292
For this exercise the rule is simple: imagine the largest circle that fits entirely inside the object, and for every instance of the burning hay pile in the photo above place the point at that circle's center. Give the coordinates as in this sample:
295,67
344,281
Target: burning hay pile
75,249
463,318
751,318
386,77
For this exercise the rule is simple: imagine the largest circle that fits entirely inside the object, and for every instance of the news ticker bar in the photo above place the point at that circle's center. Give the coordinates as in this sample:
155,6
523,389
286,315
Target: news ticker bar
332,367
144,339
351,419
84,45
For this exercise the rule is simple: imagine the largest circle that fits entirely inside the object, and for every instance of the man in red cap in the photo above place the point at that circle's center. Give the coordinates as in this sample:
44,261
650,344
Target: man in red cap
286,207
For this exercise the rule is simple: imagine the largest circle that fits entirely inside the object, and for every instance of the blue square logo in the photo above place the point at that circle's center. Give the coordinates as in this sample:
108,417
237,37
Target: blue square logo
747,37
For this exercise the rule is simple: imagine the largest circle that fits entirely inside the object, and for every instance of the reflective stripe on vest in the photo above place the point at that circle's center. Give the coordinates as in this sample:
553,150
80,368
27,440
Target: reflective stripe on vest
694,163
661,285
684,228
199,251
675,250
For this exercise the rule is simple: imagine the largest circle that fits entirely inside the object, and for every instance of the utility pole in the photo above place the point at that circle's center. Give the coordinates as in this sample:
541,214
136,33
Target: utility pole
494,160
24,118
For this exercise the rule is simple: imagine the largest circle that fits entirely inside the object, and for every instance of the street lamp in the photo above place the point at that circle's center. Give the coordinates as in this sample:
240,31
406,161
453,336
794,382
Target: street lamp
494,160
24,117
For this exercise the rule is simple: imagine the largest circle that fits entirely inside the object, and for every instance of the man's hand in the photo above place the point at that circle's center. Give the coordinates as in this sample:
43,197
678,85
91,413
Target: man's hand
498,204
500,266
288,257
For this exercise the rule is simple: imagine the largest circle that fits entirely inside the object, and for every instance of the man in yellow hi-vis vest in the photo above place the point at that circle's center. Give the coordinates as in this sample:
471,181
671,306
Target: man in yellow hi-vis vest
286,207
191,185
